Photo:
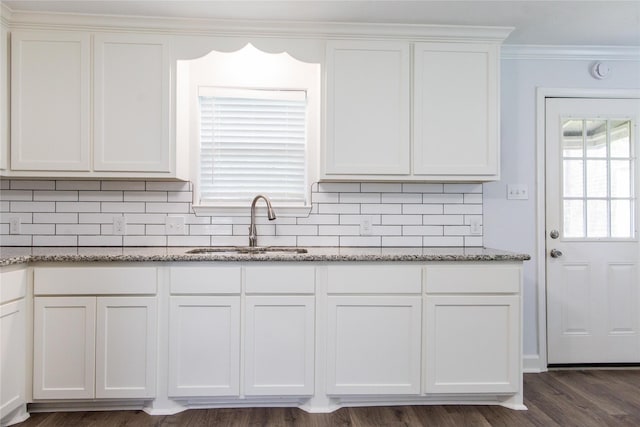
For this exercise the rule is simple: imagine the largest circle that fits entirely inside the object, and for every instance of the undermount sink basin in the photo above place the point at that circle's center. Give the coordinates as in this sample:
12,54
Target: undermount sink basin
247,250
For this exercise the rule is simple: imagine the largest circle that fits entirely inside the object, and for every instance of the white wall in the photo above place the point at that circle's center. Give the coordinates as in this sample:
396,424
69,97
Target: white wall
511,224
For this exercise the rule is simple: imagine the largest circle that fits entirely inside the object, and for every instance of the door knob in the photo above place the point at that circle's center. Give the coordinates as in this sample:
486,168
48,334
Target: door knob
555,253
554,234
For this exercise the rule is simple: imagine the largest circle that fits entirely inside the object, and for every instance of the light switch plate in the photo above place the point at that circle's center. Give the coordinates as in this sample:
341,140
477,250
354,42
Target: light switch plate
517,192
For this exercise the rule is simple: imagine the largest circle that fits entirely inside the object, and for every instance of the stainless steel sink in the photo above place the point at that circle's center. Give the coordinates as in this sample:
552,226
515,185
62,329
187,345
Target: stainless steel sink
247,250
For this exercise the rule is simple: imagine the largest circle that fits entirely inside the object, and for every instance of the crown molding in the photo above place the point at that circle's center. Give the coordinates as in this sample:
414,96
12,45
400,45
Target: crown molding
5,14
290,29
571,52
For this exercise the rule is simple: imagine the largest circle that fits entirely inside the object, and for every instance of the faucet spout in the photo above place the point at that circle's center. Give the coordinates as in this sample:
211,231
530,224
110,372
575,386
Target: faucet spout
271,215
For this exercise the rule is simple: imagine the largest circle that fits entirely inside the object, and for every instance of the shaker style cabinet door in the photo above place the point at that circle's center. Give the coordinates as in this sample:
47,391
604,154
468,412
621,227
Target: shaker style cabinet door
132,103
126,347
367,112
64,330
455,111
13,333
50,101
373,345
204,345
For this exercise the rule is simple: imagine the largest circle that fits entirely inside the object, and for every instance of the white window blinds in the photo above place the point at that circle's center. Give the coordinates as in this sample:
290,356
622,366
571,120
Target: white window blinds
252,142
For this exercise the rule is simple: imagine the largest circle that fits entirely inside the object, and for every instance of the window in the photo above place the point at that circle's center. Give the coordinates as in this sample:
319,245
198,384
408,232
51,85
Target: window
253,122
598,191
252,142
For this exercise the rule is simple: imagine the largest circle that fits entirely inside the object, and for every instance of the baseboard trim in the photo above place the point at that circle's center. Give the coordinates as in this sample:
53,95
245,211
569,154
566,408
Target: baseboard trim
531,364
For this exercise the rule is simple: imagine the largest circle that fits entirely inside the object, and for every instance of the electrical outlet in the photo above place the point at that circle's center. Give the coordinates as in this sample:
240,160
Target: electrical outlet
14,225
119,225
365,227
517,192
476,226
174,225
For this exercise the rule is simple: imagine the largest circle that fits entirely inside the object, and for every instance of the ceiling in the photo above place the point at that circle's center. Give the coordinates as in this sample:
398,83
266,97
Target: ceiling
587,22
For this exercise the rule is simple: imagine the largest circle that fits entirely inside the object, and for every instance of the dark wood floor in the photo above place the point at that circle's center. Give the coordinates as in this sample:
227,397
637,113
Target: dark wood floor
557,398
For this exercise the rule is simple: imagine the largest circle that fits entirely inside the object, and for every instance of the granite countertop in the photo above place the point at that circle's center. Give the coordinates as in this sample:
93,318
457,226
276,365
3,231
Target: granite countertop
20,255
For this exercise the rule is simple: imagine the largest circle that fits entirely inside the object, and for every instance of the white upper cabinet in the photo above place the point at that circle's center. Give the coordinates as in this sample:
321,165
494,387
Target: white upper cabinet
367,116
91,105
50,101
4,98
451,98
131,103
455,111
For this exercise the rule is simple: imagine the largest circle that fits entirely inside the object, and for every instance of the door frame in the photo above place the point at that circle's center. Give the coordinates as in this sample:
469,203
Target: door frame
542,94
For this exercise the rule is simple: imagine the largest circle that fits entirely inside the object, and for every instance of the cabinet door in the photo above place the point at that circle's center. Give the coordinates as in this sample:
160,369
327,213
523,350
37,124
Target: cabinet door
367,112
131,103
279,345
12,356
49,101
126,347
64,347
204,346
455,123
473,344
374,345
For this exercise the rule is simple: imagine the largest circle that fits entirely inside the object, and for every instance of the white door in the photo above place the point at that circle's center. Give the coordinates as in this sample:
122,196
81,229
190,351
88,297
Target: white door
593,296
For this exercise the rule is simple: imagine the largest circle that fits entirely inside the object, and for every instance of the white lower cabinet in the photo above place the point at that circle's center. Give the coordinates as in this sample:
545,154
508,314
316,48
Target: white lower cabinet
204,346
279,335
373,339
94,347
13,333
472,329
279,345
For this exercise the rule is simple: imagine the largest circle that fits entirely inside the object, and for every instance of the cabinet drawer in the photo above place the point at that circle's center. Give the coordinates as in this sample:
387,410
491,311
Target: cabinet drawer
94,280
205,280
450,279
374,279
14,285
280,280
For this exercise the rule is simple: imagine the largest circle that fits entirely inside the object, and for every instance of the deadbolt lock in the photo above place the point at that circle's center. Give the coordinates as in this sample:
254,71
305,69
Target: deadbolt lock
554,234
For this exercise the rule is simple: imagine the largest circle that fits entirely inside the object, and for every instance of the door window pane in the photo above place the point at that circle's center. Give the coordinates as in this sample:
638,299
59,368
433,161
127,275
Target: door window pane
573,219
621,218
620,178
620,140
596,138
572,138
573,178
596,178
597,218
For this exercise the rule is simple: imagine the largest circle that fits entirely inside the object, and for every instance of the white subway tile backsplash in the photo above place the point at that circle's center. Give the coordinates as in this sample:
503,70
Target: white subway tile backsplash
55,196
32,206
4,184
19,184
77,206
100,240
394,241
145,241
380,187
318,241
16,240
401,197
100,196
71,213
78,185
431,209
126,207
401,219
422,230
123,185
16,195
146,196
77,229
55,240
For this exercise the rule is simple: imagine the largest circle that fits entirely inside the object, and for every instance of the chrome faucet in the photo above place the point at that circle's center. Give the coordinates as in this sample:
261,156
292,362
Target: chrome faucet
253,234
